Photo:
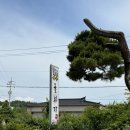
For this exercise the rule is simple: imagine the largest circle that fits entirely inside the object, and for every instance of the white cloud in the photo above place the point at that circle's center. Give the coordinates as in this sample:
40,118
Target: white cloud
19,31
3,98
18,98
24,99
25,32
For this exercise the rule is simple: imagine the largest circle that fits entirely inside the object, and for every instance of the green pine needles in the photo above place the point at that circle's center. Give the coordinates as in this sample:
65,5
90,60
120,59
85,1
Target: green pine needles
94,57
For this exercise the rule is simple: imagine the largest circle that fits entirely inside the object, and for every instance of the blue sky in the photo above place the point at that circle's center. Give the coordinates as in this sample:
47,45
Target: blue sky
43,23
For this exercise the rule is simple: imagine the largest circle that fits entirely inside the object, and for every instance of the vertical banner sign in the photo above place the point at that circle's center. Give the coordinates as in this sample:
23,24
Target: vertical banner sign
54,95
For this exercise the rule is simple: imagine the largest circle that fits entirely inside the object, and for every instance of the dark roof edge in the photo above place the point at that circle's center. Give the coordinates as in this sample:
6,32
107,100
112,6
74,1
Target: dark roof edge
81,99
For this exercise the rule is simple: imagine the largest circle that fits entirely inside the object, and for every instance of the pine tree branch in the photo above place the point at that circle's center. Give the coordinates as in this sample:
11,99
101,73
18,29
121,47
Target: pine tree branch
123,47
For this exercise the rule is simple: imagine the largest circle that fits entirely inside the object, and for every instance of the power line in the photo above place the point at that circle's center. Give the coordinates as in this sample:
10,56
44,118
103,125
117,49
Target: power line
18,49
29,71
36,48
69,87
26,71
33,53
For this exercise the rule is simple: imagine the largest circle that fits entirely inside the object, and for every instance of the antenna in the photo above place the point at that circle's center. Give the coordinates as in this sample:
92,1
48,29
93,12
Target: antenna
10,85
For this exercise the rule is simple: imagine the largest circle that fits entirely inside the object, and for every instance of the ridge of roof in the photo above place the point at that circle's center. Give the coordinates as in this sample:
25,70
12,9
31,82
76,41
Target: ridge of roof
68,102
72,98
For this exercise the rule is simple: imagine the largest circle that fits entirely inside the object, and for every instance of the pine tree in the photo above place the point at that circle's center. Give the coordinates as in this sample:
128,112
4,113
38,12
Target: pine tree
93,58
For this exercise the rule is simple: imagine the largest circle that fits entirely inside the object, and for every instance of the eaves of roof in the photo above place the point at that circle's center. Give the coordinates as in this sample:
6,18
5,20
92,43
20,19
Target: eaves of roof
67,102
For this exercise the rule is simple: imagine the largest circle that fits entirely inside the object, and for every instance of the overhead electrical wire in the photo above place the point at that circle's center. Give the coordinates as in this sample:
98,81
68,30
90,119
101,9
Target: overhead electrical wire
67,87
29,71
33,53
36,48
31,49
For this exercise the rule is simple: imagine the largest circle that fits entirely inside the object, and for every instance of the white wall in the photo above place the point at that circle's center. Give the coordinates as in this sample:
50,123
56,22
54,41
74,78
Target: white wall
37,111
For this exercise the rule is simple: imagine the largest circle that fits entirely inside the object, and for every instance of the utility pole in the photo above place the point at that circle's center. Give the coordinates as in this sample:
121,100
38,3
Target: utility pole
10,85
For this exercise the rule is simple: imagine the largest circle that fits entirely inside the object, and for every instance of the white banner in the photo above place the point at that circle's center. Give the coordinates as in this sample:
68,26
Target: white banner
54,95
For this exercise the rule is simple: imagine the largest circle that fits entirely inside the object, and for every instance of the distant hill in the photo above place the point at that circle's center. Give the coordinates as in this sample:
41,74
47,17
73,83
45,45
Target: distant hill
17,103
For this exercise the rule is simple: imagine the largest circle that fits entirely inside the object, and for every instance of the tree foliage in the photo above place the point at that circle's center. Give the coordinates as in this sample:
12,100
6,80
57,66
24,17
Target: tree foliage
92,57
110,117
5,112
18,103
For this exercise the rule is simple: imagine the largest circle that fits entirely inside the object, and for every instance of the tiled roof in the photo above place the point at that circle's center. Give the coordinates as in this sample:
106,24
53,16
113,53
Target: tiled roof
76,102
67,102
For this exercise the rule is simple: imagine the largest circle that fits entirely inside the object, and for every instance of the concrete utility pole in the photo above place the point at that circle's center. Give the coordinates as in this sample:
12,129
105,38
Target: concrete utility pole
10,85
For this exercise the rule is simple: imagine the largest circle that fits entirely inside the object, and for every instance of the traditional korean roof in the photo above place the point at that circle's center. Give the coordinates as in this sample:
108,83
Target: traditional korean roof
67,102
76,102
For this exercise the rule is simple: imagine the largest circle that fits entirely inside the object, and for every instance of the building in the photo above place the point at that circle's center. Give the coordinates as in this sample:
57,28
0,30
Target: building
74,106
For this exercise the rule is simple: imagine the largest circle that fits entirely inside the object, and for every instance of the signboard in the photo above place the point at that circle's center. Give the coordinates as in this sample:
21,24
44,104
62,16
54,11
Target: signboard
54,95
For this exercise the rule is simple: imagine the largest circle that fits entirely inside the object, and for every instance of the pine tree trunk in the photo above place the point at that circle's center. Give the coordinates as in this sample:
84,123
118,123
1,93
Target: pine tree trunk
127,75
122,45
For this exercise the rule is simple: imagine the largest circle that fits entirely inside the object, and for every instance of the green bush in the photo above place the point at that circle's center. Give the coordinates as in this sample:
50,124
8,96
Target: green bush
14,126
111,117
70,122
